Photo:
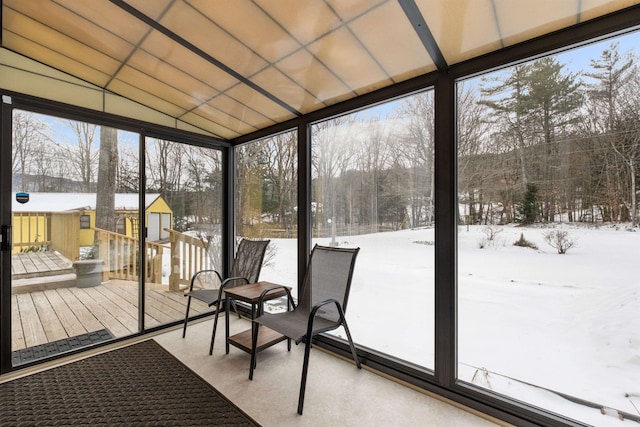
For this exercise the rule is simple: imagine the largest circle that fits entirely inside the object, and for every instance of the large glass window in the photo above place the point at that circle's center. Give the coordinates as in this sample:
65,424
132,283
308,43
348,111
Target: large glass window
548,289
267,204
72,181
183,220
372,187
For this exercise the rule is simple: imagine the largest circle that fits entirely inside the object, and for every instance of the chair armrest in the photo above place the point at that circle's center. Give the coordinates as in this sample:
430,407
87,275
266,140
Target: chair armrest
228,280
314,311
266,291
225,284
316,307
193,278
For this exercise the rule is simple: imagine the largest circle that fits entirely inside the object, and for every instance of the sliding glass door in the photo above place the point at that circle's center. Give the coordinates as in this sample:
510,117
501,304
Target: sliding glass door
183,220
74,212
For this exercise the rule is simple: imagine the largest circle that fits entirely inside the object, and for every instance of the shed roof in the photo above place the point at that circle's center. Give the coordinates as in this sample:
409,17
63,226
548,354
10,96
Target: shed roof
62,202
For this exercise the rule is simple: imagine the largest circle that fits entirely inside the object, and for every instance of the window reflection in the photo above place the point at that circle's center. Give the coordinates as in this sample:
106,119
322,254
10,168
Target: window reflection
267,203
372,187
547,289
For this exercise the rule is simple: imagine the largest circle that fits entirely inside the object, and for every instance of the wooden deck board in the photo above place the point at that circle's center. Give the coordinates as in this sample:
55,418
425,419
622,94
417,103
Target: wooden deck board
167,304
156,313
52,314
31,324
70,322
38,264
100,307
17,268
51,324
80,311
38,261
29,266
17,333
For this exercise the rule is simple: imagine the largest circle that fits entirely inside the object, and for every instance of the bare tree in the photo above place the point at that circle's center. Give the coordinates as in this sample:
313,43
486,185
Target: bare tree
331,149
128,170
83,155
250,171
281,171
29,136
627,143
203,181
476,169
165,162
417,152
611,73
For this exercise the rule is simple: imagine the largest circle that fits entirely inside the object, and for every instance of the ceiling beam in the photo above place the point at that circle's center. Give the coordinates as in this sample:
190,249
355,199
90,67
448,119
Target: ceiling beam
204,55
420,27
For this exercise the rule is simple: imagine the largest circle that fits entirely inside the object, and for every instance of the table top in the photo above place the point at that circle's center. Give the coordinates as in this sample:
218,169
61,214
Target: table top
251,293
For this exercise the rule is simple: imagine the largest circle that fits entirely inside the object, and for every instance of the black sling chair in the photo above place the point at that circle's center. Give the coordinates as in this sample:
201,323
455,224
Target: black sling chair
321,308
246,269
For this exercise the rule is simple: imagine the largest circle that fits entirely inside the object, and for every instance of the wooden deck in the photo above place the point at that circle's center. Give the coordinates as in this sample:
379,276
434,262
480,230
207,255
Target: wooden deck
38,264
49,315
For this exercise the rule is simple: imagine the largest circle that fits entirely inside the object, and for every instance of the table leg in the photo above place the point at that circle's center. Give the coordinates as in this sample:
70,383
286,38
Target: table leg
226,323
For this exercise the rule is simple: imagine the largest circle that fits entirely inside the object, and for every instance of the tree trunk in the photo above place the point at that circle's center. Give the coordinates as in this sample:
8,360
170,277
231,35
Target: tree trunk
107,167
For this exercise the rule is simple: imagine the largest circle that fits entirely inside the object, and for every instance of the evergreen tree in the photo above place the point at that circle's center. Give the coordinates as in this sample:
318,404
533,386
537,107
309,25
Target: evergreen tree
528,209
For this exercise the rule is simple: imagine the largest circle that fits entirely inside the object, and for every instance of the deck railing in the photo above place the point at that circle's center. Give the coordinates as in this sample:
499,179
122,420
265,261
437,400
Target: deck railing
31,231
188,255
120,254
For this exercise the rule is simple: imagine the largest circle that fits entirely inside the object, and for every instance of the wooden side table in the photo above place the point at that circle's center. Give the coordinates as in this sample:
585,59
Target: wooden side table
250,294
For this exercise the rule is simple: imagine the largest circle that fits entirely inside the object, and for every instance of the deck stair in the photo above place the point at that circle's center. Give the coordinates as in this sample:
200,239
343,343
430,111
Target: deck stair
37,271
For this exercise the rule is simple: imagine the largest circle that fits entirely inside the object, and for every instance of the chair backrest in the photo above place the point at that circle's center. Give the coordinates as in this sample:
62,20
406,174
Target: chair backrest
328,276
248,261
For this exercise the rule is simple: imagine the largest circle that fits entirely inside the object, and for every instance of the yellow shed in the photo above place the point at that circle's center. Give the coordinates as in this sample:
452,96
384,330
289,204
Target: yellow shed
66,221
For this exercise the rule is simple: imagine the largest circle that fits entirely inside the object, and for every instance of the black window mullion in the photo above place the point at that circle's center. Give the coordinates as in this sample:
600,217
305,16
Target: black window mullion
445,231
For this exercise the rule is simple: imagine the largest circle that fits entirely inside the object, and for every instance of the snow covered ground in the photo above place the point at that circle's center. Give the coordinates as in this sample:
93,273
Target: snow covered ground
531,322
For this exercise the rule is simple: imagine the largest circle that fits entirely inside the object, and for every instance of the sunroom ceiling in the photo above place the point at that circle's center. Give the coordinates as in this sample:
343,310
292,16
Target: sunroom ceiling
230,67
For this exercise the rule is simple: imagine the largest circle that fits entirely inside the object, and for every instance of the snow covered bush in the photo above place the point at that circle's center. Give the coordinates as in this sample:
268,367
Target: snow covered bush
522,242
491,231
561,240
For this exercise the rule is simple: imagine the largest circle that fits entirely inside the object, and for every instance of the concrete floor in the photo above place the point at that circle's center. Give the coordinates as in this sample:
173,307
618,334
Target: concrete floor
337,394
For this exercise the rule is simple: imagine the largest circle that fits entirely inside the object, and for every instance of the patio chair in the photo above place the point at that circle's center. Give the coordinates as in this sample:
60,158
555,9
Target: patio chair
245,269
325,292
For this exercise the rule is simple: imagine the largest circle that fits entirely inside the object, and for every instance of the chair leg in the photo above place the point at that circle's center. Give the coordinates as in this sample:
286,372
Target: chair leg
305,368
351,345
186,317
215,326
227,303
254,344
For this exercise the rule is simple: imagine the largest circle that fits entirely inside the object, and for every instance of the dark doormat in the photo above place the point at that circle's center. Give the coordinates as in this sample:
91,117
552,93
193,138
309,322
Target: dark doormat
142,384
41,351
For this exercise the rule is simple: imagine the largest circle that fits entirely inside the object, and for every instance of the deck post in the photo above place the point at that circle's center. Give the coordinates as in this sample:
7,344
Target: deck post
174,276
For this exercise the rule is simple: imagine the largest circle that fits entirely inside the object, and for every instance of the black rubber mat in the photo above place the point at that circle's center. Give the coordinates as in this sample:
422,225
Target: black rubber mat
49,349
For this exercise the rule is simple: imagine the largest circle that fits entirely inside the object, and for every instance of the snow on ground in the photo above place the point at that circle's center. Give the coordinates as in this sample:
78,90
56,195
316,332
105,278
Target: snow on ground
531,322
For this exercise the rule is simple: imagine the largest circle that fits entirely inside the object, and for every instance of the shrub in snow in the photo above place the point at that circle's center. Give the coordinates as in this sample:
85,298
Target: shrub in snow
524,242
424,242
491,231
561,240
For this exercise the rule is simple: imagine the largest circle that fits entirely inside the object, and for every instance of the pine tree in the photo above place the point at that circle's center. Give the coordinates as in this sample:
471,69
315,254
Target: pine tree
528,209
